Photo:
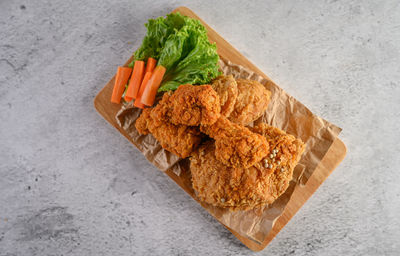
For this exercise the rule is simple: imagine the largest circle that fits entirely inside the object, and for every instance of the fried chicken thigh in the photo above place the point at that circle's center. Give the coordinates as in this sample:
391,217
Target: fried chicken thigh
239,188
236,145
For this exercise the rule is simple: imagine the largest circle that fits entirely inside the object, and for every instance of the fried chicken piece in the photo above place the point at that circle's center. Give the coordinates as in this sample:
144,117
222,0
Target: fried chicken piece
143,121
172,122
246,188
251,102
178,139
189,105
236,145
227,90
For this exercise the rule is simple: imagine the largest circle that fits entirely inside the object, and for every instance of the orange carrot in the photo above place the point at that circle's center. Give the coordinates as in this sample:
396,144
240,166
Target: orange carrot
150,91
136,80
151,64
138,102
121,79
127,99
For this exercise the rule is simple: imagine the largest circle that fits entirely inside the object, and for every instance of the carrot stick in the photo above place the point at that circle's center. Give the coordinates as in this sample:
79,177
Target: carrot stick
151,64
127,99
136,80
138,102
121,79
150,91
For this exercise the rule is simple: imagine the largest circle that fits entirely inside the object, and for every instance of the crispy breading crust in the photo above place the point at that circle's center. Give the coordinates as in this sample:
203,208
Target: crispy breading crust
236,145
174,121
178,139
141,123
189,105
251,102
246,188
227,90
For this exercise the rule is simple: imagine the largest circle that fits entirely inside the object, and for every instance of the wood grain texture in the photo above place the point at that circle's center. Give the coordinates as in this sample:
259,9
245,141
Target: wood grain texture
333,157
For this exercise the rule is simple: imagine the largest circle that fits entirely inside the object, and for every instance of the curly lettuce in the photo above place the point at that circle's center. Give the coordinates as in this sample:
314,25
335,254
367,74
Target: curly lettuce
181,45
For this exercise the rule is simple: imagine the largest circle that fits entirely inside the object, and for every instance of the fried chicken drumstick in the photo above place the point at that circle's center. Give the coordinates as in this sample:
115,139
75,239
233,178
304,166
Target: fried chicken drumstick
189,105
178,139
251,102
227,90
246,188
174,121
236,145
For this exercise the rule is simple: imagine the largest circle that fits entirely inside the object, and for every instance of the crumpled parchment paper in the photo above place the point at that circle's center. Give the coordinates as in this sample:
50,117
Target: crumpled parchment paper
284,112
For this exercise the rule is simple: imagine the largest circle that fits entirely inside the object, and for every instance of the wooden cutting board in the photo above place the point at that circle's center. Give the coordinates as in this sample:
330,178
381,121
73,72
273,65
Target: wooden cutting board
333,157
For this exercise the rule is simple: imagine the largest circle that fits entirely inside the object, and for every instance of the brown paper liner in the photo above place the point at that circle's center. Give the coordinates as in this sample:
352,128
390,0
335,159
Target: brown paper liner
283,112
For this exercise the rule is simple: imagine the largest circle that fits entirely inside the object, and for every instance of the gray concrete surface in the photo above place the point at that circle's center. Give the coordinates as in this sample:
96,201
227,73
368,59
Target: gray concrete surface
71,185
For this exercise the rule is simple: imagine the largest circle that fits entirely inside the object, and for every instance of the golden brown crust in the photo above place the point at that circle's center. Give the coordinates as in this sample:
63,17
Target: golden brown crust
174,121
246,188
227,90
277,139
236,145
251,102
189,105
141,123
178,139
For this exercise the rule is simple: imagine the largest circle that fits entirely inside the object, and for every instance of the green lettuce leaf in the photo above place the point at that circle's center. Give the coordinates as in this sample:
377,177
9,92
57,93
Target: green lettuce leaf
158,31
200,66
181,45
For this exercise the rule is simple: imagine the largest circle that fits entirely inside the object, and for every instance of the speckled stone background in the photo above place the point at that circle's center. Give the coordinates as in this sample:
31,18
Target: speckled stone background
71,185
